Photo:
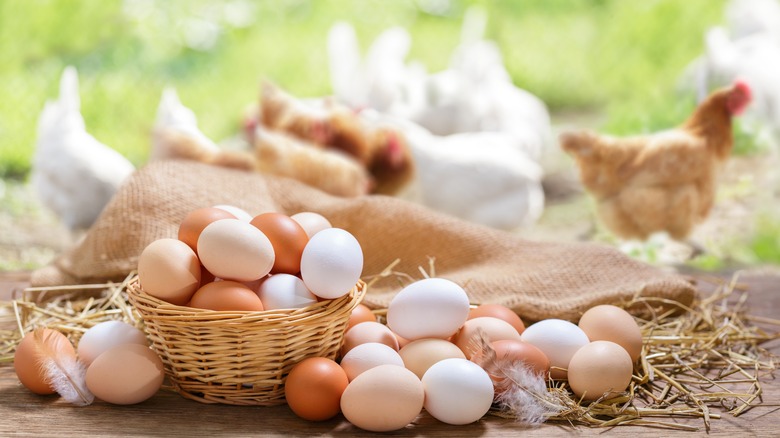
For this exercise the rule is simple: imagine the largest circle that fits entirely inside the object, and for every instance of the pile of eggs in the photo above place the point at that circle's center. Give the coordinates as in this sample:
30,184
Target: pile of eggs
426,357
113,358
226,260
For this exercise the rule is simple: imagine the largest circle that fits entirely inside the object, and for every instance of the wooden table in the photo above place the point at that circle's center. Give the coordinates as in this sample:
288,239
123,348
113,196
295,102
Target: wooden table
168,414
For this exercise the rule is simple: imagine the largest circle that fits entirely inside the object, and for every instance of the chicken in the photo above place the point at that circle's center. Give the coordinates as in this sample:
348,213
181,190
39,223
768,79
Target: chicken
331,126
663,182
474,94
73,173
494,184
174,117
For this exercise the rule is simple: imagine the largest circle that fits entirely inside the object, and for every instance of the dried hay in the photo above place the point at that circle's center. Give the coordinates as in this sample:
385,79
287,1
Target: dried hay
697,362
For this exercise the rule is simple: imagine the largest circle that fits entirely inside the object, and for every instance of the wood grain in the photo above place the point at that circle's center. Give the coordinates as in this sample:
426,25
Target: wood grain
168,414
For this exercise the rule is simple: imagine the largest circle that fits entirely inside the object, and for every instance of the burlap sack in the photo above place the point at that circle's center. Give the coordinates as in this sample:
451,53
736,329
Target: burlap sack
537,279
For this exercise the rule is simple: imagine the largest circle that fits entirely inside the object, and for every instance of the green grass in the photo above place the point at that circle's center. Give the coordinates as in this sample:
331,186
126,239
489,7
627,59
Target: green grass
608,55
620,58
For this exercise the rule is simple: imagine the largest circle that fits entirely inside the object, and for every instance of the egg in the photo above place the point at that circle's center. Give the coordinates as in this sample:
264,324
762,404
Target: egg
331,263
239,213
106,335
288,239
311,222
457,391
368,332
601,368
495,329
195,221
369,355
558,340
314,387
429,308
500,312
28,358
125,375
169,270
611,323
235,250
285,291
383,399
519,351
361,313
421,354
226,295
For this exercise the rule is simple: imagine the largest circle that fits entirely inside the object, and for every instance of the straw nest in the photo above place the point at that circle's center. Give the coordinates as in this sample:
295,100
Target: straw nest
701,361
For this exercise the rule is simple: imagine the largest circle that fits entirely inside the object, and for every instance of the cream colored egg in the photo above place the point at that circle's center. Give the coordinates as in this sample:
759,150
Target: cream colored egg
232,249
558,340
611,323
105,336
369,355
384,398
169,270
125,375
239,213
421,354
366,332
600,369
311,222
493,328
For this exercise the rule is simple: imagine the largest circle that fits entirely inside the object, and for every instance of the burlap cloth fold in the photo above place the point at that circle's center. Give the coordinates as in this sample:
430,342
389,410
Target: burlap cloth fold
537,279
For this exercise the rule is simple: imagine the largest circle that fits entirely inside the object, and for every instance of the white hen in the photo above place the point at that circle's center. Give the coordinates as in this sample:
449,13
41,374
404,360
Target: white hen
175,118
478,176
73,173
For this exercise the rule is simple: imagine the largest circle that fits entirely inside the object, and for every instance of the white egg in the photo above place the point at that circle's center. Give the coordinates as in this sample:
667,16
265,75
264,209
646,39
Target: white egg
331,263
235,211
457,391
558,340
105,336
311,222
369,355
429,308
285,291
235,250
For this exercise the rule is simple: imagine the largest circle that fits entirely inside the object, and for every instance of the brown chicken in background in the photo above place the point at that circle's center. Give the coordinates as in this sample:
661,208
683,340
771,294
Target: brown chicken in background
382,151
664,181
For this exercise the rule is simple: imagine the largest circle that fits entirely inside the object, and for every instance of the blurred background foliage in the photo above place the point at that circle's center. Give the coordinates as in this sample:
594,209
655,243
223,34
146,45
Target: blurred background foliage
617,64
619,58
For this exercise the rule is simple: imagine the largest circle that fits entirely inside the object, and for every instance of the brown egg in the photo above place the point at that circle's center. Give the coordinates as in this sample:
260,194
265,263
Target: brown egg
500,312
126,374
192,225
361,313
169,270
226,295
28,358
611,323
288,239
600,369
495,329
513,351
313,388
368,332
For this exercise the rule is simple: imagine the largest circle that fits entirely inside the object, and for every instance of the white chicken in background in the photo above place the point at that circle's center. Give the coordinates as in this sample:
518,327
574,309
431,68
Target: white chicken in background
175,118
73,173
474,94
476,139
750,50
493,184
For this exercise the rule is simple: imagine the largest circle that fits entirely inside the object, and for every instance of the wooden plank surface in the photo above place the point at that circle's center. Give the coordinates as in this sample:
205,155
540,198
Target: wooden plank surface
168,414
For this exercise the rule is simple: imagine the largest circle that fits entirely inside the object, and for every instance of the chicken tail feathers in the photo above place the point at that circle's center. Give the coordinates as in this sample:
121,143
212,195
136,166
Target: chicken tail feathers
577,143
69,89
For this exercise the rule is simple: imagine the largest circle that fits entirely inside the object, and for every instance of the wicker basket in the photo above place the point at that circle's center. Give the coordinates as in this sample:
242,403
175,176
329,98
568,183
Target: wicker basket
240,358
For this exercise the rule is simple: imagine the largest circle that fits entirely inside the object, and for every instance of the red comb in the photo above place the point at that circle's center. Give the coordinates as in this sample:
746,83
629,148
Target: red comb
742,87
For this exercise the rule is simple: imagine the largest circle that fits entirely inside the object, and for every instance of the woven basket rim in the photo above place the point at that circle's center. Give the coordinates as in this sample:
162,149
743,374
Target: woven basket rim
172,311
